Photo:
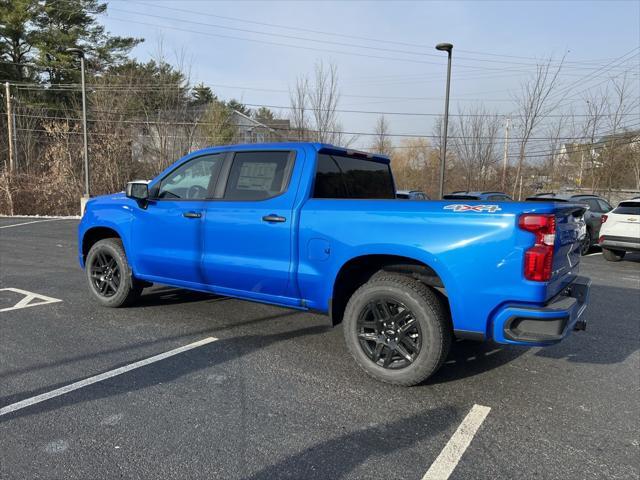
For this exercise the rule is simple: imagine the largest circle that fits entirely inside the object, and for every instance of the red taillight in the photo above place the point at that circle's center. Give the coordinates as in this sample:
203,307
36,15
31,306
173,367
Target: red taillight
603,218
538,260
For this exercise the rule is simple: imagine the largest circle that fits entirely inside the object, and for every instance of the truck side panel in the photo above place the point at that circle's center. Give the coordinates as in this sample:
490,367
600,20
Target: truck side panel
466,249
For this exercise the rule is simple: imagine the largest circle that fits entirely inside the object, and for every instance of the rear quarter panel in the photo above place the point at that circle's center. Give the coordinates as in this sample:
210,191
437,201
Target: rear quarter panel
478,255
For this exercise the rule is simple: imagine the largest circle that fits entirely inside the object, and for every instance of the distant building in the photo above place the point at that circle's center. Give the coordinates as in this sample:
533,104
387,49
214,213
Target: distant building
166,142
250,130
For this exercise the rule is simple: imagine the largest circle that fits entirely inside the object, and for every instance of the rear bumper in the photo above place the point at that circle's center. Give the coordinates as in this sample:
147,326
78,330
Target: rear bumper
547,324
628,244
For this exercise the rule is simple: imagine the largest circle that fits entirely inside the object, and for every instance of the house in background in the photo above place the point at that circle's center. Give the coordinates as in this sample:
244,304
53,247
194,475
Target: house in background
250,130
167,140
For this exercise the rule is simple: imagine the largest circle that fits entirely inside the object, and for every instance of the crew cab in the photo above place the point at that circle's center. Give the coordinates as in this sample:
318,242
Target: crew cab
317,227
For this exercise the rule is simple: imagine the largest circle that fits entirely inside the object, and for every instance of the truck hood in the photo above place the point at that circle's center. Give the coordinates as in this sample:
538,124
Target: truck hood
111,199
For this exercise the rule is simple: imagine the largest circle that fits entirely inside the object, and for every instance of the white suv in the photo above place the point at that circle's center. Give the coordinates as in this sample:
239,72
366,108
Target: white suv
620,230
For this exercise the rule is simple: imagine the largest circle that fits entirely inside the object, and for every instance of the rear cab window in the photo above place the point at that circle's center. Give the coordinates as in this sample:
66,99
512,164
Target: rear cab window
343,176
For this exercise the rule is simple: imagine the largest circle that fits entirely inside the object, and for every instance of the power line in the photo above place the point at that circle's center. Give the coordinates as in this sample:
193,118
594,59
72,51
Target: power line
276,128
336,34
152,87
582,80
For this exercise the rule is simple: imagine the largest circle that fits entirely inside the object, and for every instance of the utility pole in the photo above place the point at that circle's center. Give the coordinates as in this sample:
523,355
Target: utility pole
9,125
15,141
80,53
581,168
520,191
84,130
506,154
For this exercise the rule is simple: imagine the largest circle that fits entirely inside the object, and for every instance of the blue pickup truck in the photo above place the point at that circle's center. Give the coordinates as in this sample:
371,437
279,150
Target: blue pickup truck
317,227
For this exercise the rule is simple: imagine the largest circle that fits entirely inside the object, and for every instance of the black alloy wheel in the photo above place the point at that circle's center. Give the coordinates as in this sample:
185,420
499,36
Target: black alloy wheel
389,334
105,274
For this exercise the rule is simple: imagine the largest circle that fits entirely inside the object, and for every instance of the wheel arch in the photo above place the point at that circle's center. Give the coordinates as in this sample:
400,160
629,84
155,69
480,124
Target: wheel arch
358,270
94,235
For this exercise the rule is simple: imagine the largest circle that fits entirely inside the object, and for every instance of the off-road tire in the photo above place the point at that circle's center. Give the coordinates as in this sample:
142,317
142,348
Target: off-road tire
428,310
128,289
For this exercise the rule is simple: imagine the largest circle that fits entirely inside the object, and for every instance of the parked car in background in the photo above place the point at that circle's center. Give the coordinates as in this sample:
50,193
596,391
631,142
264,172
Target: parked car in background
465,195
411,195
620,231
598,206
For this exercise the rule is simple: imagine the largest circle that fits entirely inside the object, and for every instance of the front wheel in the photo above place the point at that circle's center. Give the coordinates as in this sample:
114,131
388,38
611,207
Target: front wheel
109,274
397,330
613,255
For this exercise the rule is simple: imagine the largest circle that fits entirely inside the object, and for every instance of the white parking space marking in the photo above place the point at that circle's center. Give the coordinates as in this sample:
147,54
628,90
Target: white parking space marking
451,454
30,299
103,376
29,223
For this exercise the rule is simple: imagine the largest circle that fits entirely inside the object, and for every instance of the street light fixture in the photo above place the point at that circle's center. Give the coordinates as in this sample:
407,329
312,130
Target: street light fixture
445,47
80,53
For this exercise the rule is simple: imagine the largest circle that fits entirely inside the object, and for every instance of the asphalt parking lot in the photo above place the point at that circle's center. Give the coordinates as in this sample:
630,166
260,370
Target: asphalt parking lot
272,393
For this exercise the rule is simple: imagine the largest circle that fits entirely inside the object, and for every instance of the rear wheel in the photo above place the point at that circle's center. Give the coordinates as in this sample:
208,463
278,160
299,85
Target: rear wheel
396,329
613,255
586,243
109,274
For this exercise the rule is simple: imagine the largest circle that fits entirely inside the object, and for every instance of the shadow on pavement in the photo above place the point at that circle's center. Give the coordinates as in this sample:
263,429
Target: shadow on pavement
612,329
157,296
468,358
162,372
337,457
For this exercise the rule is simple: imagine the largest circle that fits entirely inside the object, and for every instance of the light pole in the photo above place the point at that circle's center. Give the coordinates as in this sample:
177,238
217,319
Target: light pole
80,53
446,47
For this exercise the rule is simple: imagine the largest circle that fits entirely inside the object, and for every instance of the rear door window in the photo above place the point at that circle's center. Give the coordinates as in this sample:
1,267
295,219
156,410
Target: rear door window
594,206
341,176
258,175
604,206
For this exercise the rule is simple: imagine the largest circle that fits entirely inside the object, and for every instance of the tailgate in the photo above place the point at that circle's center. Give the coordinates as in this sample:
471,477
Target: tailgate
570,229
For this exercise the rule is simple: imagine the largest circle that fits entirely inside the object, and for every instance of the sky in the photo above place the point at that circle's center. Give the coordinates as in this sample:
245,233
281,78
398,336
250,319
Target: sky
384,51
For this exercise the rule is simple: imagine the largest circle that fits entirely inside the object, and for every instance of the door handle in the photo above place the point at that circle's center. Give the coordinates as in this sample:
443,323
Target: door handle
273,218
192,215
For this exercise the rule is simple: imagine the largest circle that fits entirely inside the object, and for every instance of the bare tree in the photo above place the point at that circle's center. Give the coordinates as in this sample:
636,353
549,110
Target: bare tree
382,143
596,106
615,141
560,152
535,102
313,107
299,114
415,165
323,99
475,145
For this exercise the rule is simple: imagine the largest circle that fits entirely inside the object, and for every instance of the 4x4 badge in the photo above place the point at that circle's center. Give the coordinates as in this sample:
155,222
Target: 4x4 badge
472,208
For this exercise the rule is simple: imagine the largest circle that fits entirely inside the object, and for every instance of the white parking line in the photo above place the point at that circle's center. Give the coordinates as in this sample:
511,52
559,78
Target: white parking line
103,376
27,300
33,221
451,454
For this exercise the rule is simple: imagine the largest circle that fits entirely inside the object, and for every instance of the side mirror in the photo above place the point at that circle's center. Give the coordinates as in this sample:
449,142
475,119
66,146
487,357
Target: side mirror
138,190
